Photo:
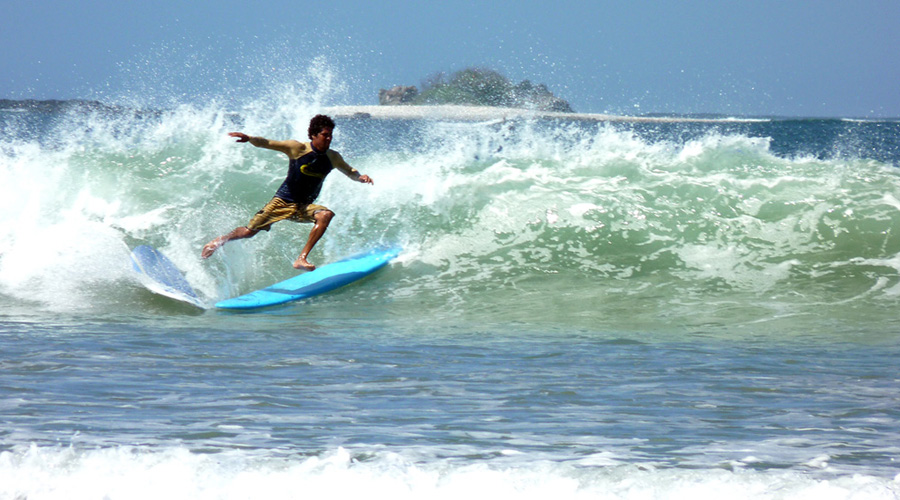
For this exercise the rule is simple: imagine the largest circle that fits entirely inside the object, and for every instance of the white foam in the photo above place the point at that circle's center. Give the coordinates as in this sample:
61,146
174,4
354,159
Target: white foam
176,473
493,113
55,240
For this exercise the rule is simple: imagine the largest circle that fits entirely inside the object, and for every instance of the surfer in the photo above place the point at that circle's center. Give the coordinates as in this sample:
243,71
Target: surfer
310,163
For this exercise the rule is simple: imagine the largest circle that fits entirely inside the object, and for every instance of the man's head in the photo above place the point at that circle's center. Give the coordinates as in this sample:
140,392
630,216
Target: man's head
319,127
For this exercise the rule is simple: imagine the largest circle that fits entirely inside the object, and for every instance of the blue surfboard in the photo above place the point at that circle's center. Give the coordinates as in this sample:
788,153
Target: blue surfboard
159,275
321,280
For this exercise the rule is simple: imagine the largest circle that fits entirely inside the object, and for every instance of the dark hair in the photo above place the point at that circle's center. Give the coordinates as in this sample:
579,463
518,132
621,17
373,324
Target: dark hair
318,123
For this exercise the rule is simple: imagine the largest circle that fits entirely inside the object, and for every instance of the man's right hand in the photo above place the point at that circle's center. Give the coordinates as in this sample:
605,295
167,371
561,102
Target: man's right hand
241,137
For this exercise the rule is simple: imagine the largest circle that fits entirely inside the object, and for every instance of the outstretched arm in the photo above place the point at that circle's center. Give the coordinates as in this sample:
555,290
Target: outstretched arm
338,161
290,148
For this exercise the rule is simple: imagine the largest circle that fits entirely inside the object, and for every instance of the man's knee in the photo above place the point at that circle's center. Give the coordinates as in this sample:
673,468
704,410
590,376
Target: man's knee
244,232
324,217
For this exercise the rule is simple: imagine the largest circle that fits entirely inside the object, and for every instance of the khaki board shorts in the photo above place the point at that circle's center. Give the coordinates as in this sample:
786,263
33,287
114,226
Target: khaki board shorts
278,209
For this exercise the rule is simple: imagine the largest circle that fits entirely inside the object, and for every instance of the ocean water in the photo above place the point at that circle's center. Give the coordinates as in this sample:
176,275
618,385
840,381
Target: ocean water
582,310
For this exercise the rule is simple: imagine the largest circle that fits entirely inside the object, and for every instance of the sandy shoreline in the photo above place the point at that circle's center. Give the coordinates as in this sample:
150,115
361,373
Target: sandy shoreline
482,113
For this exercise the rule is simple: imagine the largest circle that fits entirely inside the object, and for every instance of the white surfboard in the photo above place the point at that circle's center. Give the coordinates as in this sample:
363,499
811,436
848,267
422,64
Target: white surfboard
159,275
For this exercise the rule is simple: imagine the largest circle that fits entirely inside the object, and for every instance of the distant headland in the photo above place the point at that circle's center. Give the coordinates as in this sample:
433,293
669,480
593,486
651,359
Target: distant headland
475,87
55,105
505,105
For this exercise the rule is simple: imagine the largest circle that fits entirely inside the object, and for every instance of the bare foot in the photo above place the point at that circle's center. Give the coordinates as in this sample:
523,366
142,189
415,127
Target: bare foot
302,263
210,248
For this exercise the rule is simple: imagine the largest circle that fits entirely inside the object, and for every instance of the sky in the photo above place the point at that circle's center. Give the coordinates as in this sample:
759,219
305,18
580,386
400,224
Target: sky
826,58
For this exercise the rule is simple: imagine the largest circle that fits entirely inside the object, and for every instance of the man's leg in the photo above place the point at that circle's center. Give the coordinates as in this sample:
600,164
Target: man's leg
323,218
237,234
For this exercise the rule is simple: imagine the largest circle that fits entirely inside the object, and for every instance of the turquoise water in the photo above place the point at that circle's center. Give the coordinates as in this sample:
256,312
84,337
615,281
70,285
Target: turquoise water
582,310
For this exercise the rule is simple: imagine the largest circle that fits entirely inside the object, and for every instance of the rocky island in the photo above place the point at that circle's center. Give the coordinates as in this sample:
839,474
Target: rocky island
475,87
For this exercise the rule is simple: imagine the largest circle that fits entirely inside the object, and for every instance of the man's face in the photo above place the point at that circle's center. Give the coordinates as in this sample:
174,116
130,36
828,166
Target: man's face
322,140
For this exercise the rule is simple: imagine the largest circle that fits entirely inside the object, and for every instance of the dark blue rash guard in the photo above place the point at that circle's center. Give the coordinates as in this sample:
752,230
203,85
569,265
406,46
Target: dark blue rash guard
307,173
305,178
